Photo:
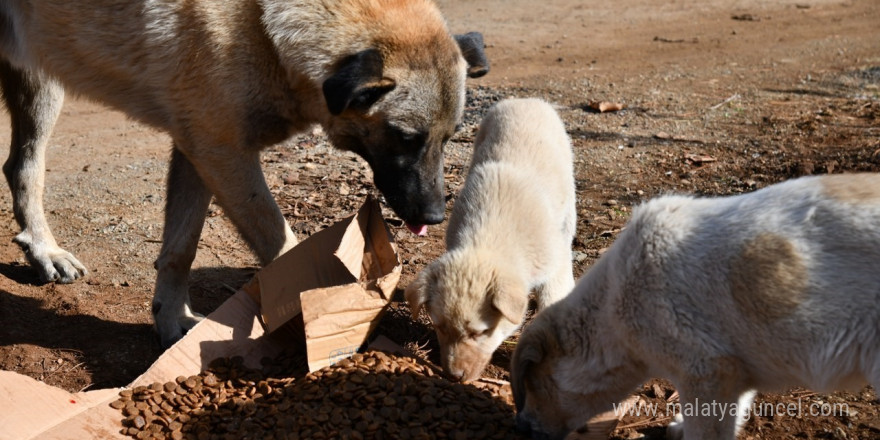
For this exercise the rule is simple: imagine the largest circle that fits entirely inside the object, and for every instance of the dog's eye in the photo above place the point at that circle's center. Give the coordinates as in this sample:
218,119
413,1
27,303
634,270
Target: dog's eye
479,333
408,137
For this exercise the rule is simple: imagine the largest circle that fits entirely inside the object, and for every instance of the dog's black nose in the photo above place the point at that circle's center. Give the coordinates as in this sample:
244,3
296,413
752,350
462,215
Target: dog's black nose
433,215
523,426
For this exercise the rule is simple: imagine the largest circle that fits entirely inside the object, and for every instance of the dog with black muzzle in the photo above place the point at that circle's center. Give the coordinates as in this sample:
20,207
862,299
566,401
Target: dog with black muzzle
225,79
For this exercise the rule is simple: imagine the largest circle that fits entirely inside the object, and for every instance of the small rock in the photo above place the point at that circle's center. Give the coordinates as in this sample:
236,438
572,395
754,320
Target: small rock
611,202
290,178
663,135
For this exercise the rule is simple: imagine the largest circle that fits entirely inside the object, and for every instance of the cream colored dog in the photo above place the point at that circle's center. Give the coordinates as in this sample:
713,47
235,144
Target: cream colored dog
510,232
723,296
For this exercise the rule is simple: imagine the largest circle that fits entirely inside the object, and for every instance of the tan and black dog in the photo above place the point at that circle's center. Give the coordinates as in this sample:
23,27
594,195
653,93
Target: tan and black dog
384,78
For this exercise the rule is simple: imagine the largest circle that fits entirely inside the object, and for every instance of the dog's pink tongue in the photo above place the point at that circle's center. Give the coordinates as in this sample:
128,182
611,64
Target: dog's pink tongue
420,230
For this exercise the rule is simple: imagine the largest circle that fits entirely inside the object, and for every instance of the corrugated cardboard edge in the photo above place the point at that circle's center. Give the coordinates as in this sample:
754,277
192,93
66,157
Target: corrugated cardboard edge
33,410
26,403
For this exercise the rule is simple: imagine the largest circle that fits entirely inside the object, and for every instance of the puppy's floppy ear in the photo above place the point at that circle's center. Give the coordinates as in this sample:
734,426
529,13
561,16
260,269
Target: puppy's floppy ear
416,292
471,45
529,351
509,297
357,83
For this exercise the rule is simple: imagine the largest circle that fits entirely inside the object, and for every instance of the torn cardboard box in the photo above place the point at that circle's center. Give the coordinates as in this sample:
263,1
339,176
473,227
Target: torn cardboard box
329,290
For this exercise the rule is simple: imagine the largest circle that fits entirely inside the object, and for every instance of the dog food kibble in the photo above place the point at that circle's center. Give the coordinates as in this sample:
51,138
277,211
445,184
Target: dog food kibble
369,396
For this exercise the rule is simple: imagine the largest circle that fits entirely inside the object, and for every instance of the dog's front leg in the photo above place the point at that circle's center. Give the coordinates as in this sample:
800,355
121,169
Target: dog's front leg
713,405
34,103
237,181
185,208
559,285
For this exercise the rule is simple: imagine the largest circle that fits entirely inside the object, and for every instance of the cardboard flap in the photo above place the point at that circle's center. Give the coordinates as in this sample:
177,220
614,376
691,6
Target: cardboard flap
28,406
350,250
311,264
338,321
233,327
358,248
30,409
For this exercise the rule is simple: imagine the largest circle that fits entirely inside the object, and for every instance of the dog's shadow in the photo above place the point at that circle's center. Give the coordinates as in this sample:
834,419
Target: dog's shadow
21,274
112,353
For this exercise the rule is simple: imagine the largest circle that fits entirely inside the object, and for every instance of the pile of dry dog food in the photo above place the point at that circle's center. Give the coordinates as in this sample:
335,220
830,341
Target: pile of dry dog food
369,396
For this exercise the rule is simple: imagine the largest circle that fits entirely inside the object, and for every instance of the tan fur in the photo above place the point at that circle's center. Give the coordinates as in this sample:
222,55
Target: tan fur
225,79
859,188
510,232
768,279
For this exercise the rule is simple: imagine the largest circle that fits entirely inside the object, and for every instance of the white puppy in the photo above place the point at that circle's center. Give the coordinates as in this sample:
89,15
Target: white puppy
510,232
723,296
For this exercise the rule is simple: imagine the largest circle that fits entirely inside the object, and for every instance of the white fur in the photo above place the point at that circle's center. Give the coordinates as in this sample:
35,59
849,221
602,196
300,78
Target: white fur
510,232
664,302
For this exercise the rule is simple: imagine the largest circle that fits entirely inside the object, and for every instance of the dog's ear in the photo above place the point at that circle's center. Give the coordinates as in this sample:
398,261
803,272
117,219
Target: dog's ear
509,297
357,83
471,45
529,352
416,292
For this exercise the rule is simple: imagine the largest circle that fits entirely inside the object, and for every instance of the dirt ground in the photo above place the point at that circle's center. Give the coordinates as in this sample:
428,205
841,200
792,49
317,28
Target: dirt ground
721,97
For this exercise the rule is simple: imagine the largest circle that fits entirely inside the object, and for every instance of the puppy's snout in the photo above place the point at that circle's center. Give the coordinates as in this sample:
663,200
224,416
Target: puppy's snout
456,377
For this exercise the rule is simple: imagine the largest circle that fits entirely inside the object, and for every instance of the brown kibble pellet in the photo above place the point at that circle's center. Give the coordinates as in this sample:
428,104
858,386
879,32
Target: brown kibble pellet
117,404
369,396
138,422
190,383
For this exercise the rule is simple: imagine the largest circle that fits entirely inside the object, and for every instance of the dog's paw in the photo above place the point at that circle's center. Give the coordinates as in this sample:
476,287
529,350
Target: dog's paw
52,263
171,329
675,429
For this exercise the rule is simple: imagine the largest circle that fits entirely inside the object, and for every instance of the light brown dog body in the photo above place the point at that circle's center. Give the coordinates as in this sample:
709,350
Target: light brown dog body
509,234
225,79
